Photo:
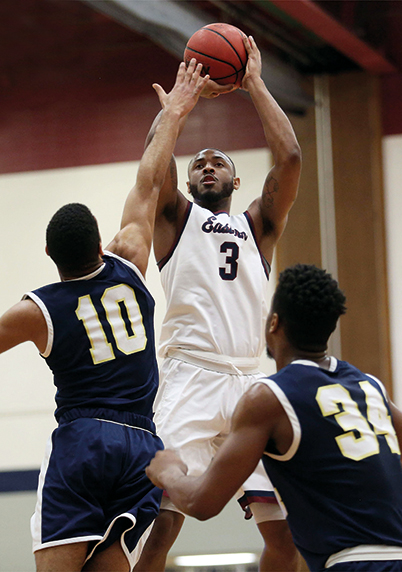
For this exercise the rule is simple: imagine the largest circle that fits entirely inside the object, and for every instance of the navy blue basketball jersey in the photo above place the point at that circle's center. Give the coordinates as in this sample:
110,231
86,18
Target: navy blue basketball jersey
341,480
101,341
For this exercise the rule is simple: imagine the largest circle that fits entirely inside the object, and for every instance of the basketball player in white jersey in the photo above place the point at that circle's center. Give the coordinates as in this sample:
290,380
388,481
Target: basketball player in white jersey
214,270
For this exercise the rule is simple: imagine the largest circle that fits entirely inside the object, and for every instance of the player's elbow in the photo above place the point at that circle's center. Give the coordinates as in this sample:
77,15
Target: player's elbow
289,166
293,155
202,510
203,514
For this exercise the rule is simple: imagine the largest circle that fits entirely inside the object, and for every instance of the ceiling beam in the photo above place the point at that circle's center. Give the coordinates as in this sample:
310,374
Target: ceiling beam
170,24
312,17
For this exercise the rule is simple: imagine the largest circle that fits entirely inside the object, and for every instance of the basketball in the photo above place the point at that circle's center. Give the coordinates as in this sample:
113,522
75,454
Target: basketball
220,49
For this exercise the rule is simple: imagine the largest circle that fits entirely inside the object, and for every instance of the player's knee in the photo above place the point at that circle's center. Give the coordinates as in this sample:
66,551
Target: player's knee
279,552
166,528
277,535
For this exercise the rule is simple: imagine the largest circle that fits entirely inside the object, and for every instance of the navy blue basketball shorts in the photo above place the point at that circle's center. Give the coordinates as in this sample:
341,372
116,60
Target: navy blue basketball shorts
92,485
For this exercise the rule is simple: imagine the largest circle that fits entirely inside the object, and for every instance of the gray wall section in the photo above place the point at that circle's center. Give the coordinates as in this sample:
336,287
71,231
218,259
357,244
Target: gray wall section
229,532
16,510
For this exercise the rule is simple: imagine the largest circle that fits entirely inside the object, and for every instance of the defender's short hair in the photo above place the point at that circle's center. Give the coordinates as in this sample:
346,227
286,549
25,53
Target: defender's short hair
309,303
72,238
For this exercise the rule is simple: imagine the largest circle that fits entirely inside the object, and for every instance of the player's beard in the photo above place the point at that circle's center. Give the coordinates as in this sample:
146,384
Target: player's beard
212,197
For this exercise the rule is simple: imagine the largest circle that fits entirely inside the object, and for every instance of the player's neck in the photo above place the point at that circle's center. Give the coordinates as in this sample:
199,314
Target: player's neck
319,357
222,206
79,274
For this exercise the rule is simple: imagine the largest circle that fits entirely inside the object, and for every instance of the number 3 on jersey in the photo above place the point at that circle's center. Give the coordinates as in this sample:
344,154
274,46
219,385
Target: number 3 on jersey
232,251
125,318
336,400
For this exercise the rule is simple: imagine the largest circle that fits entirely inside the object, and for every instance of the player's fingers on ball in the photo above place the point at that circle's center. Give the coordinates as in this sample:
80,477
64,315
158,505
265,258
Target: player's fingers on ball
197,74
204,80
181,71
253,45
191,66
200,84
198,70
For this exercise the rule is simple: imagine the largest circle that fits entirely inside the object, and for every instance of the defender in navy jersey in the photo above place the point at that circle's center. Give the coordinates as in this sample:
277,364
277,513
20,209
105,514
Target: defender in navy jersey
329,437
95,330
101,342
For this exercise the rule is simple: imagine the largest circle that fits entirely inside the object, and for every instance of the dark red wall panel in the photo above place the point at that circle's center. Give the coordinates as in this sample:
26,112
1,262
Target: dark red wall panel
76,89
83,125
392,104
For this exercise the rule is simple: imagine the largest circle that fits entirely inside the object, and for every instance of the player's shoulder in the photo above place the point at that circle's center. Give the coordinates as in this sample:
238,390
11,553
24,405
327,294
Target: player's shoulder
116,263
260,396
113,259
259,390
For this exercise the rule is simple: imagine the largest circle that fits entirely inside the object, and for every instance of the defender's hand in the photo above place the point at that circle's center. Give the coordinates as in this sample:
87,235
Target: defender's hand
186,90
165,464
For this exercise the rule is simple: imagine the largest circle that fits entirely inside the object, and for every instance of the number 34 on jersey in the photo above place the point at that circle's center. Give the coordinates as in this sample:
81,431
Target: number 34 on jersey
359,439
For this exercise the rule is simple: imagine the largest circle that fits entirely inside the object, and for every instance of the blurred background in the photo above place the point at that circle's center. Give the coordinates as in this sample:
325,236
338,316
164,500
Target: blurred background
76,103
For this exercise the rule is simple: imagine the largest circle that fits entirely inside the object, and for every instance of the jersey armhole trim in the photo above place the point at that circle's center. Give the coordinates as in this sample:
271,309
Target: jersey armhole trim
48,319
266,265
381,385
294,421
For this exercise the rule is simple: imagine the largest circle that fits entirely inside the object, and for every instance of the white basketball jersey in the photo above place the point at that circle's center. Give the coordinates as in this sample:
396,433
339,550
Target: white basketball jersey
215,281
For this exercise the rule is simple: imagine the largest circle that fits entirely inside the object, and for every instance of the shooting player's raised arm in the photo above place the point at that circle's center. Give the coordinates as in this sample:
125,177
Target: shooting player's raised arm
270,211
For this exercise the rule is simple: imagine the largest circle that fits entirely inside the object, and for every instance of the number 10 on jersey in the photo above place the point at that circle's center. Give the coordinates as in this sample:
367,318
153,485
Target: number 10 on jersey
124,316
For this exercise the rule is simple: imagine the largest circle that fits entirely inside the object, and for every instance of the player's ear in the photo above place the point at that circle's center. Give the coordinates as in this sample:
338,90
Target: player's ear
101,253
236,183
188,187
47,250
273,323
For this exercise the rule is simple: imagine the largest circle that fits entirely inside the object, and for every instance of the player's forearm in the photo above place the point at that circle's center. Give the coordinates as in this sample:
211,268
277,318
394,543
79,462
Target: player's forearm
189,494
153,166
158,154
170,182
155,124
278,130
186,494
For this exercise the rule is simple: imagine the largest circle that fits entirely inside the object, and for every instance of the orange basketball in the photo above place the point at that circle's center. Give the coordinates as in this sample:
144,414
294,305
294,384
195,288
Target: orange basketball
220,49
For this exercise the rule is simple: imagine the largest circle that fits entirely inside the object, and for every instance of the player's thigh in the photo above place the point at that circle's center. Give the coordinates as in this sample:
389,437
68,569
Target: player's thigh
190,404
112,559
166,527
63,558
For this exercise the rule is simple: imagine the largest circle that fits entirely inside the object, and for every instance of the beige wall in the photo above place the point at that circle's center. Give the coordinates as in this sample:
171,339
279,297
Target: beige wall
392,153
